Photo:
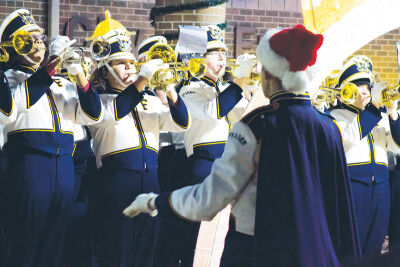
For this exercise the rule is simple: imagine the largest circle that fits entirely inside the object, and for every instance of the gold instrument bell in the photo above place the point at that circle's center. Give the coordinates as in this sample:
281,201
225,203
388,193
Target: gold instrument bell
175,70
390,94
348,94
22,43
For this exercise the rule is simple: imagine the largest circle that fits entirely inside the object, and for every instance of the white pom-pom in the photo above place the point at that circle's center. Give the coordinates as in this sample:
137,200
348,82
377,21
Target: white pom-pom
295,82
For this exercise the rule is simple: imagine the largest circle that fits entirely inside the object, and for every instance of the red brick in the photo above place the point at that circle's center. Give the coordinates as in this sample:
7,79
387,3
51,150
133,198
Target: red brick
141,12
31,5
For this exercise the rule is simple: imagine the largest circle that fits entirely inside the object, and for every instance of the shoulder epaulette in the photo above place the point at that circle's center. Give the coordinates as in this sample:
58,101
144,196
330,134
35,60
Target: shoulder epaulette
258,112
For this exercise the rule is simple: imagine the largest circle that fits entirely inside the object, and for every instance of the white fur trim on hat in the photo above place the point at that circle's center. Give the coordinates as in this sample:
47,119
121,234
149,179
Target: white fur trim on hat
278,66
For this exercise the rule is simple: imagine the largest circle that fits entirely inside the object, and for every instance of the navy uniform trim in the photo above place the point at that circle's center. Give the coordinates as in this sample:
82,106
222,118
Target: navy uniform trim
36,86
367,118
6,102
11,27
395,130
126,101
90,103
179,113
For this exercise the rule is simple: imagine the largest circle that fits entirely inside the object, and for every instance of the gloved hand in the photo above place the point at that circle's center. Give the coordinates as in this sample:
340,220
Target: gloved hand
149,68
74,68
245,64
376,91
144,203
58,45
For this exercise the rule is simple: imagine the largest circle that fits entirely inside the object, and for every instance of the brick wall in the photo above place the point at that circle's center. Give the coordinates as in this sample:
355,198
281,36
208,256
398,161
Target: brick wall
383,54
134,15
258,21
37,7
250,15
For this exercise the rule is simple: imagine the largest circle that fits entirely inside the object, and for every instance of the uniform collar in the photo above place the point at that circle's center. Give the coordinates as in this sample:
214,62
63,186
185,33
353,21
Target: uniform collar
351,108
210,82
287,97
25,69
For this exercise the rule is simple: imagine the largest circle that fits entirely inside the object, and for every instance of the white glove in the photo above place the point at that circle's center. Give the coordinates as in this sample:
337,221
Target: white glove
144,203
74,69
245,64
393,107
58,45
376,91
149,68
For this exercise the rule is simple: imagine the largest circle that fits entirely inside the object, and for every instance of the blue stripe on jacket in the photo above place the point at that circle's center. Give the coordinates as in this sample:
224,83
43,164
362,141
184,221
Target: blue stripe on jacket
179,112
126,101
5,96
90,103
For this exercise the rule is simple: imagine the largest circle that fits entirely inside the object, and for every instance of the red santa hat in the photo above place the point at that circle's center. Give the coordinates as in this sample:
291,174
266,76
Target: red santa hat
286,54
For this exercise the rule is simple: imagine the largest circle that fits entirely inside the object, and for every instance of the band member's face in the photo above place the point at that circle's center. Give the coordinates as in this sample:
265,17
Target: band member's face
363,97
216,63
38,50
125,71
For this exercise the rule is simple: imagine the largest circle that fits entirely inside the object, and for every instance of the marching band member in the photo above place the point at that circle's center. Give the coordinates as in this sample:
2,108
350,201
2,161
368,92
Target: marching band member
39,146
126,144
172,155
367,136
8,114
209,100
289,158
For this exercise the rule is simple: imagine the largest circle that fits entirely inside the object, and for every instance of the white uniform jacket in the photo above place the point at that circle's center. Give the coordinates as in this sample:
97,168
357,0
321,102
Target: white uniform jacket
233,180
209,111
134,137
367,137
54,112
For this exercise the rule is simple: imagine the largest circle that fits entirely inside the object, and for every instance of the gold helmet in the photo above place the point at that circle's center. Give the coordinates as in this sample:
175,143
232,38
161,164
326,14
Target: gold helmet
108,25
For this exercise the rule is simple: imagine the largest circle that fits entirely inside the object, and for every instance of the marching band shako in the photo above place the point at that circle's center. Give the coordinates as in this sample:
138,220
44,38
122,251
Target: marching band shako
20,19
145,45
214,38
357,68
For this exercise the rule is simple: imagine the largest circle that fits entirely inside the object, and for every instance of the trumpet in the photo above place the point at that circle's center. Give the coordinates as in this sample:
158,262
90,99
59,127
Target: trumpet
100,49
174,71
76,56
390,94
22,43
348,94
254,76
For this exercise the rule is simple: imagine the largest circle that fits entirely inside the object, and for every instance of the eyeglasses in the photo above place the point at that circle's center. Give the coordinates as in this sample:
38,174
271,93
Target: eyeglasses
36,37
217,53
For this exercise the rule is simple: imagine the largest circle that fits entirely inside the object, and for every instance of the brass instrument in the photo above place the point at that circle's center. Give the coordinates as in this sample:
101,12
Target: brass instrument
254,77
174,71
348,94
76,57
390,94
100,49
22,43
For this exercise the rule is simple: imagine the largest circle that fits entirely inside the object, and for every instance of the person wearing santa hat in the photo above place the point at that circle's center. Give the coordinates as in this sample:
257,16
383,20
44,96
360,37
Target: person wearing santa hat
369,131
39,144
283,170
